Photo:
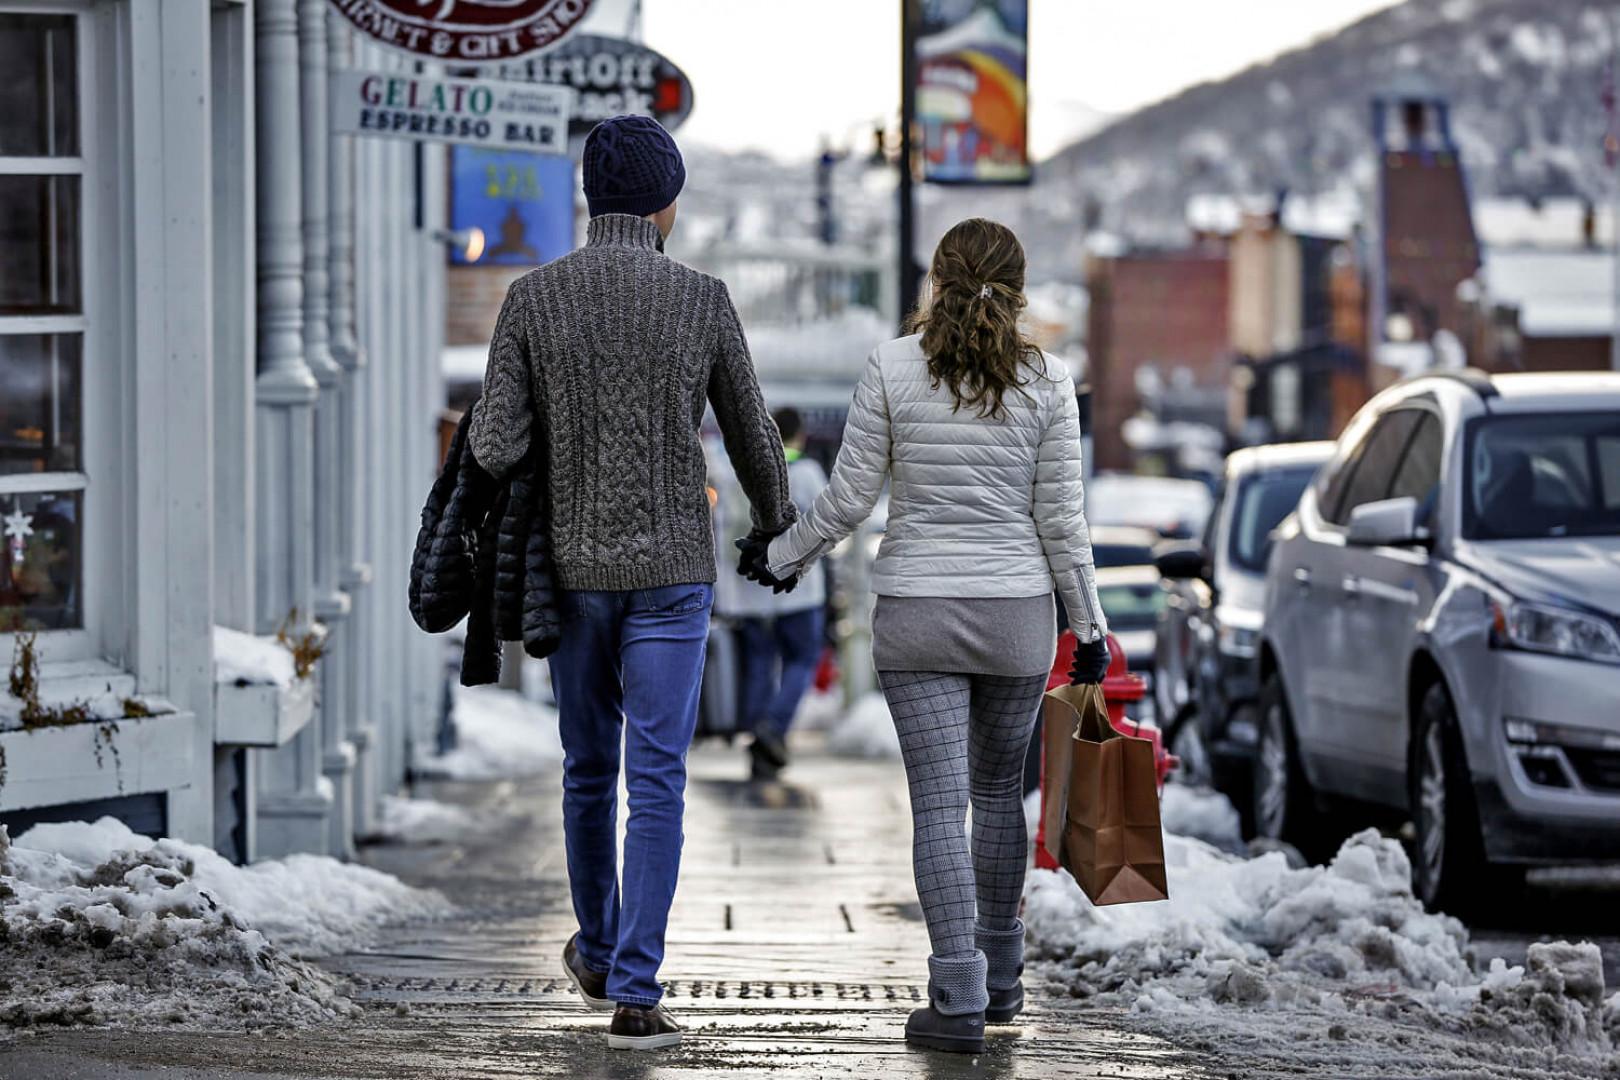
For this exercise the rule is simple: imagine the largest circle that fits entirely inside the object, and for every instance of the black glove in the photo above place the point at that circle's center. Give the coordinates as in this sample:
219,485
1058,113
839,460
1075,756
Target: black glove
1091,659
751,564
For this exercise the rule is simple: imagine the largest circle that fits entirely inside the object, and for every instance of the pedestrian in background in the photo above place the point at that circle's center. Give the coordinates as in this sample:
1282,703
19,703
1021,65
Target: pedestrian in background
978,435
780,649
609,354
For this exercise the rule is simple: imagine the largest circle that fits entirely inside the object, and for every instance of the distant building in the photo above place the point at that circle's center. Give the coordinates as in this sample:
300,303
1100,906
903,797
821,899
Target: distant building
1425,245
1158,336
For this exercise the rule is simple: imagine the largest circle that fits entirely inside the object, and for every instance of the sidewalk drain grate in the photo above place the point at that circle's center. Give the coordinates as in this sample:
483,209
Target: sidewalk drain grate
680,989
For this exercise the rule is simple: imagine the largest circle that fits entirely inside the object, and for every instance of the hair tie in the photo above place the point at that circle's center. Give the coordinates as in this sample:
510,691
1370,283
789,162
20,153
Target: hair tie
984,293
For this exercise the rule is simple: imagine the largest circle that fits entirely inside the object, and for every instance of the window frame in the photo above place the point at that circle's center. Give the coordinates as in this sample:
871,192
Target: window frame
100,360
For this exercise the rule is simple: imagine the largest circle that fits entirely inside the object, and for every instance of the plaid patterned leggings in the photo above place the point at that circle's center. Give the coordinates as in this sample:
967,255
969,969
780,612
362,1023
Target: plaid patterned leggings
963,737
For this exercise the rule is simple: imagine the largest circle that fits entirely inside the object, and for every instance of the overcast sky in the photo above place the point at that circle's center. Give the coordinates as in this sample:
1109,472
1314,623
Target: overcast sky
775,75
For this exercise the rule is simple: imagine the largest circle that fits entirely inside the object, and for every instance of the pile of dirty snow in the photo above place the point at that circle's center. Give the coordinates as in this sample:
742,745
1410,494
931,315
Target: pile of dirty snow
1251,953
500,735
426,821
100,925
1201,814
866,731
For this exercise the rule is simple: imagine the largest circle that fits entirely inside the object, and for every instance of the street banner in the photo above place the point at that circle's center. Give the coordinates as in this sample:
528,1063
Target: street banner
613,77
506,115
524,203
468,31
973,91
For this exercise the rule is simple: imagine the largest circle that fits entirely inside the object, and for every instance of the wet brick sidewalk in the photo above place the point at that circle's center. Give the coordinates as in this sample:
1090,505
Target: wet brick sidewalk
796,949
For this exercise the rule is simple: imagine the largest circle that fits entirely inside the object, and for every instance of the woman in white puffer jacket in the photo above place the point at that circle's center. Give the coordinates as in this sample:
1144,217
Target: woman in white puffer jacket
978,435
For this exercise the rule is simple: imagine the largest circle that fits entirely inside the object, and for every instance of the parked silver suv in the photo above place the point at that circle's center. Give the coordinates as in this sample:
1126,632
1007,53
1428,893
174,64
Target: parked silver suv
1442,628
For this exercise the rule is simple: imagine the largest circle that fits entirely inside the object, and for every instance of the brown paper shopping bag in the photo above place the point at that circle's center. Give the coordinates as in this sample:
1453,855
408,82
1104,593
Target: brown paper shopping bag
1102,814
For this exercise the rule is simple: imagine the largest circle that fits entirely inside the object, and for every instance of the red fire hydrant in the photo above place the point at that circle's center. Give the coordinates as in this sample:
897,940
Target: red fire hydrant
1120,688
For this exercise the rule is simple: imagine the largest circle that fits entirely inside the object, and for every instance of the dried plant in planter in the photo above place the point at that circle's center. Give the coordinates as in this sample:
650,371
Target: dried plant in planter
24,686
306,644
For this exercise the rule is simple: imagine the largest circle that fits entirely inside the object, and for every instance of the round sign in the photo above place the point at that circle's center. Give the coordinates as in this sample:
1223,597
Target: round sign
611,76
465,31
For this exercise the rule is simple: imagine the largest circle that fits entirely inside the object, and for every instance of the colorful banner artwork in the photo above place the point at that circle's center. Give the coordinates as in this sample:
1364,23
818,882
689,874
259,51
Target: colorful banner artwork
973,91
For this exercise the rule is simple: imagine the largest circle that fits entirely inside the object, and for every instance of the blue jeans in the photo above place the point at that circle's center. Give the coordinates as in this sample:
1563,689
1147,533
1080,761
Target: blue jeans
630,665
793,641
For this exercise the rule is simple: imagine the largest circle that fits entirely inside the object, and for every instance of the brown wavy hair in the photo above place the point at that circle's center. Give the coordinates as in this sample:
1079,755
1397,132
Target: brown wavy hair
969,325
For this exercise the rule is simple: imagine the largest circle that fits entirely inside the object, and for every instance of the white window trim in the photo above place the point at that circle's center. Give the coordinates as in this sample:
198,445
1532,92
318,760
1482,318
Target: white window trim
101,362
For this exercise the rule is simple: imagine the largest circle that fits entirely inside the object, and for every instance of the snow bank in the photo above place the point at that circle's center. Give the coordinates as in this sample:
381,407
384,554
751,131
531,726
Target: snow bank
424,821
866,731
500,735
1245,936
1201,814
245,659
99,925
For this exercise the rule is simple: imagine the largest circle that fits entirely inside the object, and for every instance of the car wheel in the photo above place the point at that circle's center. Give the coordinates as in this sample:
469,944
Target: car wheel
1448,857
1283,804
1187,743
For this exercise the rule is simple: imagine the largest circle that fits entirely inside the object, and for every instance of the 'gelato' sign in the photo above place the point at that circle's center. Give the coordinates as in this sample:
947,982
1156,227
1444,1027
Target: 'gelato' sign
469,31
526,116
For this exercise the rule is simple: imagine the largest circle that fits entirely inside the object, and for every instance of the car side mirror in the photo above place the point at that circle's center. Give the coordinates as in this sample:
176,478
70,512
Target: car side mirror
1387,523
1183,562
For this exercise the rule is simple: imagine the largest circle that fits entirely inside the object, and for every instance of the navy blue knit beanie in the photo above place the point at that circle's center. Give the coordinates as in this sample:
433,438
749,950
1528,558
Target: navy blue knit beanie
632,166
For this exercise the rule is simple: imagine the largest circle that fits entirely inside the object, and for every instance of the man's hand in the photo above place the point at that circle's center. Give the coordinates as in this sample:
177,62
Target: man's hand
751,564
1091,659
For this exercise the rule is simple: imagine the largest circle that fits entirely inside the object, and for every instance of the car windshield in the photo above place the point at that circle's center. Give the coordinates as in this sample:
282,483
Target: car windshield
1131,607
1533,477
1264,499
1112,553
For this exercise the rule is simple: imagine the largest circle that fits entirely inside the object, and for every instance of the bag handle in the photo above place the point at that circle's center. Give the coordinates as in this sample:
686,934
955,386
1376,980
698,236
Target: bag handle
1092,713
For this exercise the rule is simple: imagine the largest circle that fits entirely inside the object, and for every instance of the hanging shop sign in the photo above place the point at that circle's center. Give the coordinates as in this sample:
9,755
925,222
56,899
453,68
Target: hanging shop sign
612,77
468,31
508,115
973,92
523,203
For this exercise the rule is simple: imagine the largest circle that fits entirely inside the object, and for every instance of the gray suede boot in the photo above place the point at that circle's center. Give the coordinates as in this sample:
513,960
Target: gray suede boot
954,1018
1004,968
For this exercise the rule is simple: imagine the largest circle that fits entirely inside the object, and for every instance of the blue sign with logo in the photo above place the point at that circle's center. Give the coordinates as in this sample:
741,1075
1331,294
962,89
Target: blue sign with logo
523,202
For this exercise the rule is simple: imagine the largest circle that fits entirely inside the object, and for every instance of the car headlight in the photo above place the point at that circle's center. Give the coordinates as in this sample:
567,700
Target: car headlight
1239,641
1559,631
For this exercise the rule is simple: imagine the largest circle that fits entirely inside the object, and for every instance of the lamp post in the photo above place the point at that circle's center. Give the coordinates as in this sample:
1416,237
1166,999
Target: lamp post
908,277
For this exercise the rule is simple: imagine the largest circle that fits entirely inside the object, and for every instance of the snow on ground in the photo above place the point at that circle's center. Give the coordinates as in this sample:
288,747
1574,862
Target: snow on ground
867,731
250,660
100,925
1336,967
1201,814
500,735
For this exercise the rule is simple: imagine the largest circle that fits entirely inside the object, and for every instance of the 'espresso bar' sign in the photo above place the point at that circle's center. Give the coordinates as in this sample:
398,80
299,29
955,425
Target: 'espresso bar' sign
515,116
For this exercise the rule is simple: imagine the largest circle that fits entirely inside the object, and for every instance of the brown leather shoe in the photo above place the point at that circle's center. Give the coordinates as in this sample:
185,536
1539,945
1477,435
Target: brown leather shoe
592,985
635,1028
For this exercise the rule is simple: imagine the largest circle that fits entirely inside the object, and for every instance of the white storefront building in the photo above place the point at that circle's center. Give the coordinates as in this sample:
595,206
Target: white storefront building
220,330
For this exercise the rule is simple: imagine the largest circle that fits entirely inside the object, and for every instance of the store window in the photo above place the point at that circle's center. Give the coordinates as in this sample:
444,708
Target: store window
42,324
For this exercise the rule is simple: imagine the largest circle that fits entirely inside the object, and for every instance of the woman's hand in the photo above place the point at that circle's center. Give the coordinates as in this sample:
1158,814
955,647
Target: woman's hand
752,563
1091,659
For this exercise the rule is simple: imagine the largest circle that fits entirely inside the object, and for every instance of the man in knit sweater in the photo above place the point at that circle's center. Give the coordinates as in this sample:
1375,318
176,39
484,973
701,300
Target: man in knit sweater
607,356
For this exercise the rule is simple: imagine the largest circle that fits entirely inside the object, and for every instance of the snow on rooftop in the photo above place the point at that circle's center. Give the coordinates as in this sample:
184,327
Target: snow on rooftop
1332,214
1503,222
1557,293
833,348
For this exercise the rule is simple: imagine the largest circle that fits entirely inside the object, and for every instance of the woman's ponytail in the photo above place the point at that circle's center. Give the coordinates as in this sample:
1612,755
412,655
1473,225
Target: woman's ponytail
970,326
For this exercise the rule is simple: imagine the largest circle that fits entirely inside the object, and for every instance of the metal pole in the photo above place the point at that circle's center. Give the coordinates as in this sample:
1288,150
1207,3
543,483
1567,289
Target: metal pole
1613,161
908,276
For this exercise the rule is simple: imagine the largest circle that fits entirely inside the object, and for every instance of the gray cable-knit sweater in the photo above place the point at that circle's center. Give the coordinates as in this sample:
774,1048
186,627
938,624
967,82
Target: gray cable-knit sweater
614,349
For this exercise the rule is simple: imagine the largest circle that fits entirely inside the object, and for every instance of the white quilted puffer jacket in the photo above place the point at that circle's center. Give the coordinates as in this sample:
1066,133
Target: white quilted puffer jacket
977,507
